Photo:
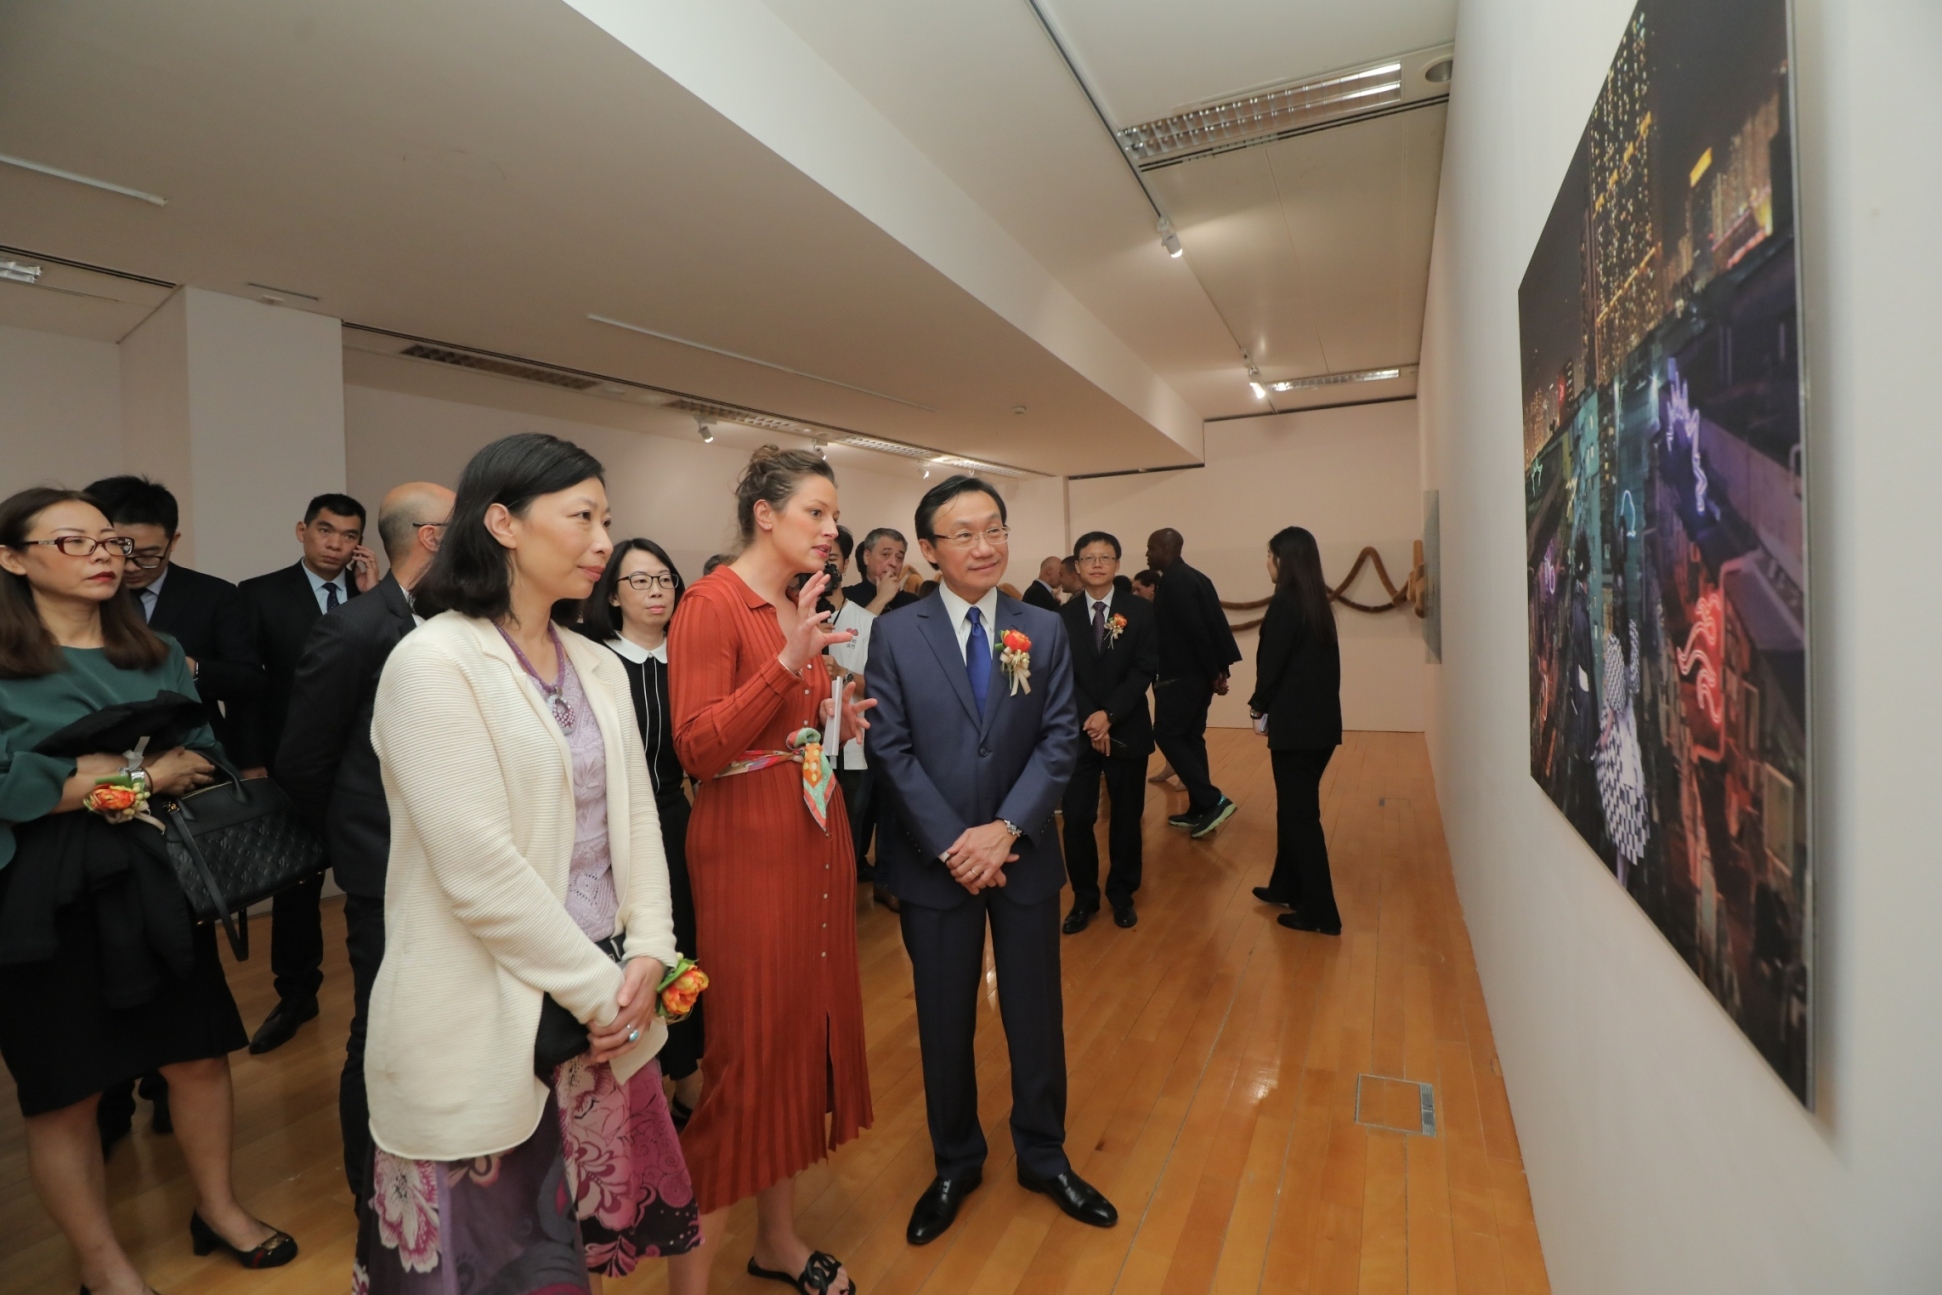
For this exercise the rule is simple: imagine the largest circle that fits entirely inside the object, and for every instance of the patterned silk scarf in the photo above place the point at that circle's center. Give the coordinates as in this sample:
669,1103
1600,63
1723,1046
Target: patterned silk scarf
806,749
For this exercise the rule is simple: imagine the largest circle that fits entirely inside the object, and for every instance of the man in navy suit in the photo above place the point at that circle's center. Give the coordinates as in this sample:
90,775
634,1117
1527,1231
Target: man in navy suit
974,737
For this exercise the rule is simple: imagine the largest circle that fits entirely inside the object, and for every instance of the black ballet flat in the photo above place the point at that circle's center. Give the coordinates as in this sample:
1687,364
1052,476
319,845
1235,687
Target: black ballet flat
679,1113
279,1249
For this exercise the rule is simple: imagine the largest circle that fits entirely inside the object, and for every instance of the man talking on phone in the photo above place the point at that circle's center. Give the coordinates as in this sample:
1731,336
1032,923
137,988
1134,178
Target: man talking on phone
335,567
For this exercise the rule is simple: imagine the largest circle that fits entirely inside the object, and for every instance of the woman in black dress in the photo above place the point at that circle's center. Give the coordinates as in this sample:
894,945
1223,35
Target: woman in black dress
629,612
103,973
1298,688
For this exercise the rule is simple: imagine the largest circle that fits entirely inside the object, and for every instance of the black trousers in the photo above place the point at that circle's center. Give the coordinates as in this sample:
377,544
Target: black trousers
1301,850
364,940
860,800
1125,779
946,947
297,940
681,1055
1180,728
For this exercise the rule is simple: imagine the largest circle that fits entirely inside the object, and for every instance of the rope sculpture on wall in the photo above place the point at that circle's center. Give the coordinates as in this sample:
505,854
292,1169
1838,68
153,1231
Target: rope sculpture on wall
1414,593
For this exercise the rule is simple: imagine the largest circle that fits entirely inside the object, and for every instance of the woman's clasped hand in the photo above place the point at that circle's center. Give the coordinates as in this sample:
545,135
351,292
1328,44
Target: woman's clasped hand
633,1010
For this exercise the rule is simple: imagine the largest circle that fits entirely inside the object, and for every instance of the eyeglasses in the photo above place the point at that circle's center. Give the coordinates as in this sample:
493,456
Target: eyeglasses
148,559
1095,559
641,581
83,546
994,536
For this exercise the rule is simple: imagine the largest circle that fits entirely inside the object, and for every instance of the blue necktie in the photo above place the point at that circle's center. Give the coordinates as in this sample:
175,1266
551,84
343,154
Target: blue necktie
330,596
977,658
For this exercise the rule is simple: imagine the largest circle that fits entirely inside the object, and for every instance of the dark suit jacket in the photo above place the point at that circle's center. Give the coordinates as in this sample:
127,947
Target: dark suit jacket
1195,641
1039,596
213,623
1297,681
1115,678
944,768
326,762
286,608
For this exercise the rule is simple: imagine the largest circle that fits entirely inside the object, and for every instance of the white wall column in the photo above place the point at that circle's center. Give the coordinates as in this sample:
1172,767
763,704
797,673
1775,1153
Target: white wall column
238,408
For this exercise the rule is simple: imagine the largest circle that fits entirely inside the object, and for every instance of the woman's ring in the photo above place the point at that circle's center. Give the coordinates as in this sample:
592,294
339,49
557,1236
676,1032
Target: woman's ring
634,1035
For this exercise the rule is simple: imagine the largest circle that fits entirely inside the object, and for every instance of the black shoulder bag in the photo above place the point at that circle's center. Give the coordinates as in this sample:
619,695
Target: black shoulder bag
235,843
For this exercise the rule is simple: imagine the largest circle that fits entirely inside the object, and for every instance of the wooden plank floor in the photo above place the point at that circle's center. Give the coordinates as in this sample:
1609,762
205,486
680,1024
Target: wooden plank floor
1213,1060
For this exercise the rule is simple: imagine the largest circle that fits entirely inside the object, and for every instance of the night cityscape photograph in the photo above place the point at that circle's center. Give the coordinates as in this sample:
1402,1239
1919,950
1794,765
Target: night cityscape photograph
1665,507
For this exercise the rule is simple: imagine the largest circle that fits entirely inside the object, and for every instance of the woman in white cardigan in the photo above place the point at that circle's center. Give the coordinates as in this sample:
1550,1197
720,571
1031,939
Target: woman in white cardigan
523,838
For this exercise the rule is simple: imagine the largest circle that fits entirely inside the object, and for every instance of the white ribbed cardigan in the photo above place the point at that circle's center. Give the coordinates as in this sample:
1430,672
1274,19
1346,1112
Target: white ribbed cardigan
479,781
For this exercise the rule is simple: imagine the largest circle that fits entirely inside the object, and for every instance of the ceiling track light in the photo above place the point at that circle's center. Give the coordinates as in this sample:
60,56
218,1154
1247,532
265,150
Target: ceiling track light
705,428
1170,240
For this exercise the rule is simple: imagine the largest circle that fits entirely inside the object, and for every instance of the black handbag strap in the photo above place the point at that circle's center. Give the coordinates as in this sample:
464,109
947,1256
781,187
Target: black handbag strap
238,942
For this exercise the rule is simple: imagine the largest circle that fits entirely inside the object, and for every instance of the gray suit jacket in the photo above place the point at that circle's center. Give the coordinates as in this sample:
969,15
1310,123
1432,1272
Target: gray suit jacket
944,767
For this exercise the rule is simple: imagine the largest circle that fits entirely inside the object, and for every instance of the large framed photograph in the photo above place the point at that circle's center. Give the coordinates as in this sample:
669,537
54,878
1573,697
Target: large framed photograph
1665,504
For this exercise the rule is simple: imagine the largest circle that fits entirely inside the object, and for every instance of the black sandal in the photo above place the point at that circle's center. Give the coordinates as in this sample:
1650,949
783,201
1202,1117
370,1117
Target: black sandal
816,1276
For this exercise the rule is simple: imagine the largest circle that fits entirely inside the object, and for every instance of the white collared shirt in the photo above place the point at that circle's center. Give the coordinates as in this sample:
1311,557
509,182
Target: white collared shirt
961,626
317,583
1092,603
151,595
629,650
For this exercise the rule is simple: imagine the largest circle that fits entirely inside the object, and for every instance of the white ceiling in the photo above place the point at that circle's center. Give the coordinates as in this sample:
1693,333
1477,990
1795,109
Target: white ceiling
491,183
1150,58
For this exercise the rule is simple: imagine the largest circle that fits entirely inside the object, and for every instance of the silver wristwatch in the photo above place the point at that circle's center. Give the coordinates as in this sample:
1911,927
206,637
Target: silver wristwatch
1012,827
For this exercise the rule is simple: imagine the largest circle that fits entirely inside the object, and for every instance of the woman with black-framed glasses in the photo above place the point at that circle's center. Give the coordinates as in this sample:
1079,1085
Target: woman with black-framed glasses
103,973
629,612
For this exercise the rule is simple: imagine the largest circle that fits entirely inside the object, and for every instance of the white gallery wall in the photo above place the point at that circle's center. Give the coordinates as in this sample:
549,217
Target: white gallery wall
672,488
1350,475
60,410
1663,1154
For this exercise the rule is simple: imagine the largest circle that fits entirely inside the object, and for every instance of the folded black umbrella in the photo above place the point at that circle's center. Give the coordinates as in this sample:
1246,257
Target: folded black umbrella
166,720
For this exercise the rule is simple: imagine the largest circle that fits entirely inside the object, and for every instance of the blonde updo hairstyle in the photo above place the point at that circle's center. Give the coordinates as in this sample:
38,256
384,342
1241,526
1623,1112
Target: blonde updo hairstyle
771,477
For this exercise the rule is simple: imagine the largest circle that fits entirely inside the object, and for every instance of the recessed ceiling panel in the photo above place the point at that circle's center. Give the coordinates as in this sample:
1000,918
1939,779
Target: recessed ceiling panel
1315,249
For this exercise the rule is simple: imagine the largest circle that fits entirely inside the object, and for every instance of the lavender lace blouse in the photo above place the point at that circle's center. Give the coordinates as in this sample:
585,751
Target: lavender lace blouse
590,898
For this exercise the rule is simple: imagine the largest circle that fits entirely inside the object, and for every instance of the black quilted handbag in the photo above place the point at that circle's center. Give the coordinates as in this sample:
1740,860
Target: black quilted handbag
235,843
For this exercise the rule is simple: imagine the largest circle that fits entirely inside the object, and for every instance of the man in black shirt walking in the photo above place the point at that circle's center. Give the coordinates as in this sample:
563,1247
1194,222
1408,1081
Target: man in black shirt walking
1196,649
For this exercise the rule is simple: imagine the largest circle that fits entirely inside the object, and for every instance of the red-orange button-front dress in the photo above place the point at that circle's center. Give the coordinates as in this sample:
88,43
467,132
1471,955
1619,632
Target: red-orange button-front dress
775,906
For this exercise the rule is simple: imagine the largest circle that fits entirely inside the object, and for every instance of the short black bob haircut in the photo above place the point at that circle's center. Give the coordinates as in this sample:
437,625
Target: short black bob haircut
340,505
602,619
472,574
944,492
845,541
137,501
1091,538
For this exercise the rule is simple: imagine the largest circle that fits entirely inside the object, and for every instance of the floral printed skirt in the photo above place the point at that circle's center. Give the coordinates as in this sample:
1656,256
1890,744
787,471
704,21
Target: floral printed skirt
600,1185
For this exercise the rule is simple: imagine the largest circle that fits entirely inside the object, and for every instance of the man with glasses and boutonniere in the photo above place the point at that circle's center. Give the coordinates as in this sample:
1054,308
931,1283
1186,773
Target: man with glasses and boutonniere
974,738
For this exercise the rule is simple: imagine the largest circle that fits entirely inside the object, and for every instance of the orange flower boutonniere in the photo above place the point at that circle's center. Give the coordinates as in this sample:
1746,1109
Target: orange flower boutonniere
679,990
1115,626
1016,658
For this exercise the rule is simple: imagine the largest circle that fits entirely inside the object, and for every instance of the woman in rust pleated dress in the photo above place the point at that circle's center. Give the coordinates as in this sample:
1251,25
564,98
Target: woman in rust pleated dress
774,882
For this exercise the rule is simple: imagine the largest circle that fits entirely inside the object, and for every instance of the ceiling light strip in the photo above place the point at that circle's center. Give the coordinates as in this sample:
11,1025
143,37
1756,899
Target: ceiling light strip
76,178
750,359
1267,114
1262,386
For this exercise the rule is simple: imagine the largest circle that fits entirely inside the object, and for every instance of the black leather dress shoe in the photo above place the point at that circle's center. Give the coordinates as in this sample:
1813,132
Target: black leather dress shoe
1075,1196
937,1208
280,1026
1267,896
1301,922
1076,920
1125,915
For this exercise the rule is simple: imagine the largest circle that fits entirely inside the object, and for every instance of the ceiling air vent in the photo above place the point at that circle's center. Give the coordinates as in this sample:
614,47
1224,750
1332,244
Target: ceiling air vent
504,368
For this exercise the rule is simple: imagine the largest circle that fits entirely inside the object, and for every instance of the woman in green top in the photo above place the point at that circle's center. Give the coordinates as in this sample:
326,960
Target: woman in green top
103,973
